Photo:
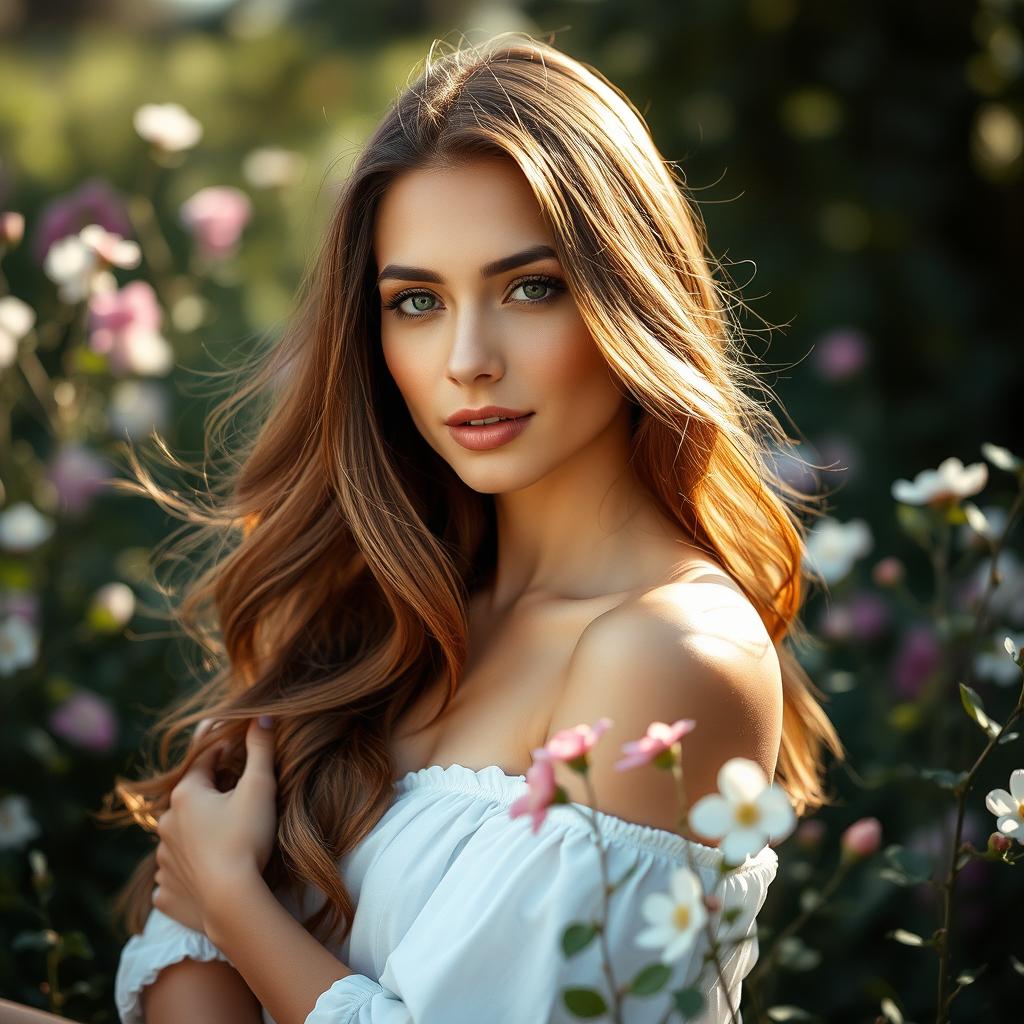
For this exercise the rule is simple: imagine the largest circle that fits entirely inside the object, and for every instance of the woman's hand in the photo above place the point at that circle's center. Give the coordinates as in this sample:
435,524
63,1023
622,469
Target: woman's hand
211,842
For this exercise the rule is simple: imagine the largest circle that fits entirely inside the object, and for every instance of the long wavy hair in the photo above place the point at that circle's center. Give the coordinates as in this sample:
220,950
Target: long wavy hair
339,550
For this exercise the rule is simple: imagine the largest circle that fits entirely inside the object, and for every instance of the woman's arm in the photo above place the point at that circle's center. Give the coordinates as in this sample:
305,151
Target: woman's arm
201,992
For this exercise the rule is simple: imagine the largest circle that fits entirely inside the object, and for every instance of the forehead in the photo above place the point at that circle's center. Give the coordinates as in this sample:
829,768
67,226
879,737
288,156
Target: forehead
480,208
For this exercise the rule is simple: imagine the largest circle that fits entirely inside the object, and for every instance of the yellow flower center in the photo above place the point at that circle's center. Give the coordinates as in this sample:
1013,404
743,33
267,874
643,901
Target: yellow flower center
747,814
1020,809
682,917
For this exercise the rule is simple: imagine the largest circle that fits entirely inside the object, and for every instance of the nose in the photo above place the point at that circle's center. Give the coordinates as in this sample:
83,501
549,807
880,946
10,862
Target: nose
475,349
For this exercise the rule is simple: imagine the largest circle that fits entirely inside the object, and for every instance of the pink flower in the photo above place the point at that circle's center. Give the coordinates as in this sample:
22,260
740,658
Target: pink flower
862,838
87,721
78,474
12,227
810,833
125,327
841,353
888,572
540,778
916,659
659,737
570,744
94,202
215,216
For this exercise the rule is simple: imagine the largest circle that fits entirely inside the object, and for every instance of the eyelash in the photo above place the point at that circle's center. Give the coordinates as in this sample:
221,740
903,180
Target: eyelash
553,283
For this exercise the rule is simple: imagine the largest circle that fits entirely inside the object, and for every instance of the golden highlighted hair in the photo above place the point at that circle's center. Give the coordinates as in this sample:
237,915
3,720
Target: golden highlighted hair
341,549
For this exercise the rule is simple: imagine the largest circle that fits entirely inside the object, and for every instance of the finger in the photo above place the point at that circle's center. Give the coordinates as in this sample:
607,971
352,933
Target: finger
259,753
200,772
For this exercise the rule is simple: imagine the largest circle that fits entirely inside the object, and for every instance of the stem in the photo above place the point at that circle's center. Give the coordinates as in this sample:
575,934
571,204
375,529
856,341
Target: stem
677,773
842,869
962,791
606,960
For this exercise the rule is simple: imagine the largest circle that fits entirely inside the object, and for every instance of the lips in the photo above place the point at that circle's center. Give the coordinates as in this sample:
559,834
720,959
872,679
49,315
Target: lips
486,412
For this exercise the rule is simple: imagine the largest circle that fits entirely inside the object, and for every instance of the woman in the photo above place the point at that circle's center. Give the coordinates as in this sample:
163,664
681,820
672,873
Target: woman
420,605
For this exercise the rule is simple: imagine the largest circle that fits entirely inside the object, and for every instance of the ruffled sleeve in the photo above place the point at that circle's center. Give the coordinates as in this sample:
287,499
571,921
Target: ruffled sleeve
486,945
162,942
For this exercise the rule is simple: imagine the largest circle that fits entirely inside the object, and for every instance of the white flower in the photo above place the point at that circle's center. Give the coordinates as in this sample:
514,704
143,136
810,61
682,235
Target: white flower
675,917
272,167
138,407
1009,807
23,528
111,247
16,320
950,482
833,547
17,826
70,264
19,645
112,606
747,811
997,664
167,125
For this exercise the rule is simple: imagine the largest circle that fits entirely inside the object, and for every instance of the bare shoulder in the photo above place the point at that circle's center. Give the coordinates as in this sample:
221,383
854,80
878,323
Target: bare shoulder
680,650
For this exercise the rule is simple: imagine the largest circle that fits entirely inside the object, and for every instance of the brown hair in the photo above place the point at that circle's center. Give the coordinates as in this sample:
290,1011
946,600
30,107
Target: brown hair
344,549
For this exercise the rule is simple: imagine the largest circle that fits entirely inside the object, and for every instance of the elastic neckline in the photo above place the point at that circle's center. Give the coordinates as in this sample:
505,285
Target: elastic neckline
493,784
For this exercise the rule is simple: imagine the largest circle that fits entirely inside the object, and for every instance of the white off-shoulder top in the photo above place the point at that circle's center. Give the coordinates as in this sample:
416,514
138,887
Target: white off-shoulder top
461,910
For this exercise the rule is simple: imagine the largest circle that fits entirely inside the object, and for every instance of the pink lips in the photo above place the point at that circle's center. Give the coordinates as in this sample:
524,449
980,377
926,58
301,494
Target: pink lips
491,435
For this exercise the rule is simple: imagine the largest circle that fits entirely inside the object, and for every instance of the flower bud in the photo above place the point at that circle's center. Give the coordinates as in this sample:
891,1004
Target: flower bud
862,838
888,572
12,227
998,843
810,833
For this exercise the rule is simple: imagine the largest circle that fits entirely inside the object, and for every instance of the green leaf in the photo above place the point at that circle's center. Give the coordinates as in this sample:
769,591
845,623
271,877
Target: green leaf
1008,737
942,777
975,708
577,937
788,1013
629,871
584,1002
795,955
689,1002
77,944
891,1012
35,942
650,980
905,867
968,977
915,524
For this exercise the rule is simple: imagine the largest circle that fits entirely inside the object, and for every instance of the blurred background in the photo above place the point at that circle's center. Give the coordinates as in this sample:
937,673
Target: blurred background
859,169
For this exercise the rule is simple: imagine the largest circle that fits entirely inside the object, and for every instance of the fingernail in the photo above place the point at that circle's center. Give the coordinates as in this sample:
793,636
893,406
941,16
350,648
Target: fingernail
266,721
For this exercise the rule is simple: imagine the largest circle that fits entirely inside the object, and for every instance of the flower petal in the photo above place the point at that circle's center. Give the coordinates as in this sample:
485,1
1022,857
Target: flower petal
778,818
686,886
999,801
738,843
712,816
740,780
658,908
655,938
1017,784
679,945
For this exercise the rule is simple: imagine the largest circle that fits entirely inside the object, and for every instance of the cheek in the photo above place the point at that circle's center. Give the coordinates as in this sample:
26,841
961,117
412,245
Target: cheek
570,371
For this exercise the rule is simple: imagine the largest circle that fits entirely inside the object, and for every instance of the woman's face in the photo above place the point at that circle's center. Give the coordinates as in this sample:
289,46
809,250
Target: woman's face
458,334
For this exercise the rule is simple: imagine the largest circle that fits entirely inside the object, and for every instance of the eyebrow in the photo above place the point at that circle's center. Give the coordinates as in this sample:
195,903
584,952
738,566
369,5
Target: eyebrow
517,259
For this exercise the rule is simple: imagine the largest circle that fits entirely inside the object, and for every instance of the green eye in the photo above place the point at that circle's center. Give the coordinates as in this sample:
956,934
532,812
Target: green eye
422,300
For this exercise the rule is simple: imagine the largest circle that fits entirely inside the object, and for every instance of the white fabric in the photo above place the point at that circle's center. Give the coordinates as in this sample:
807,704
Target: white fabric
461,909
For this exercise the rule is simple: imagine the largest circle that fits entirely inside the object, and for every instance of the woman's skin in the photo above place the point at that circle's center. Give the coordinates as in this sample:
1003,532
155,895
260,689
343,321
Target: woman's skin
572,519
574,524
